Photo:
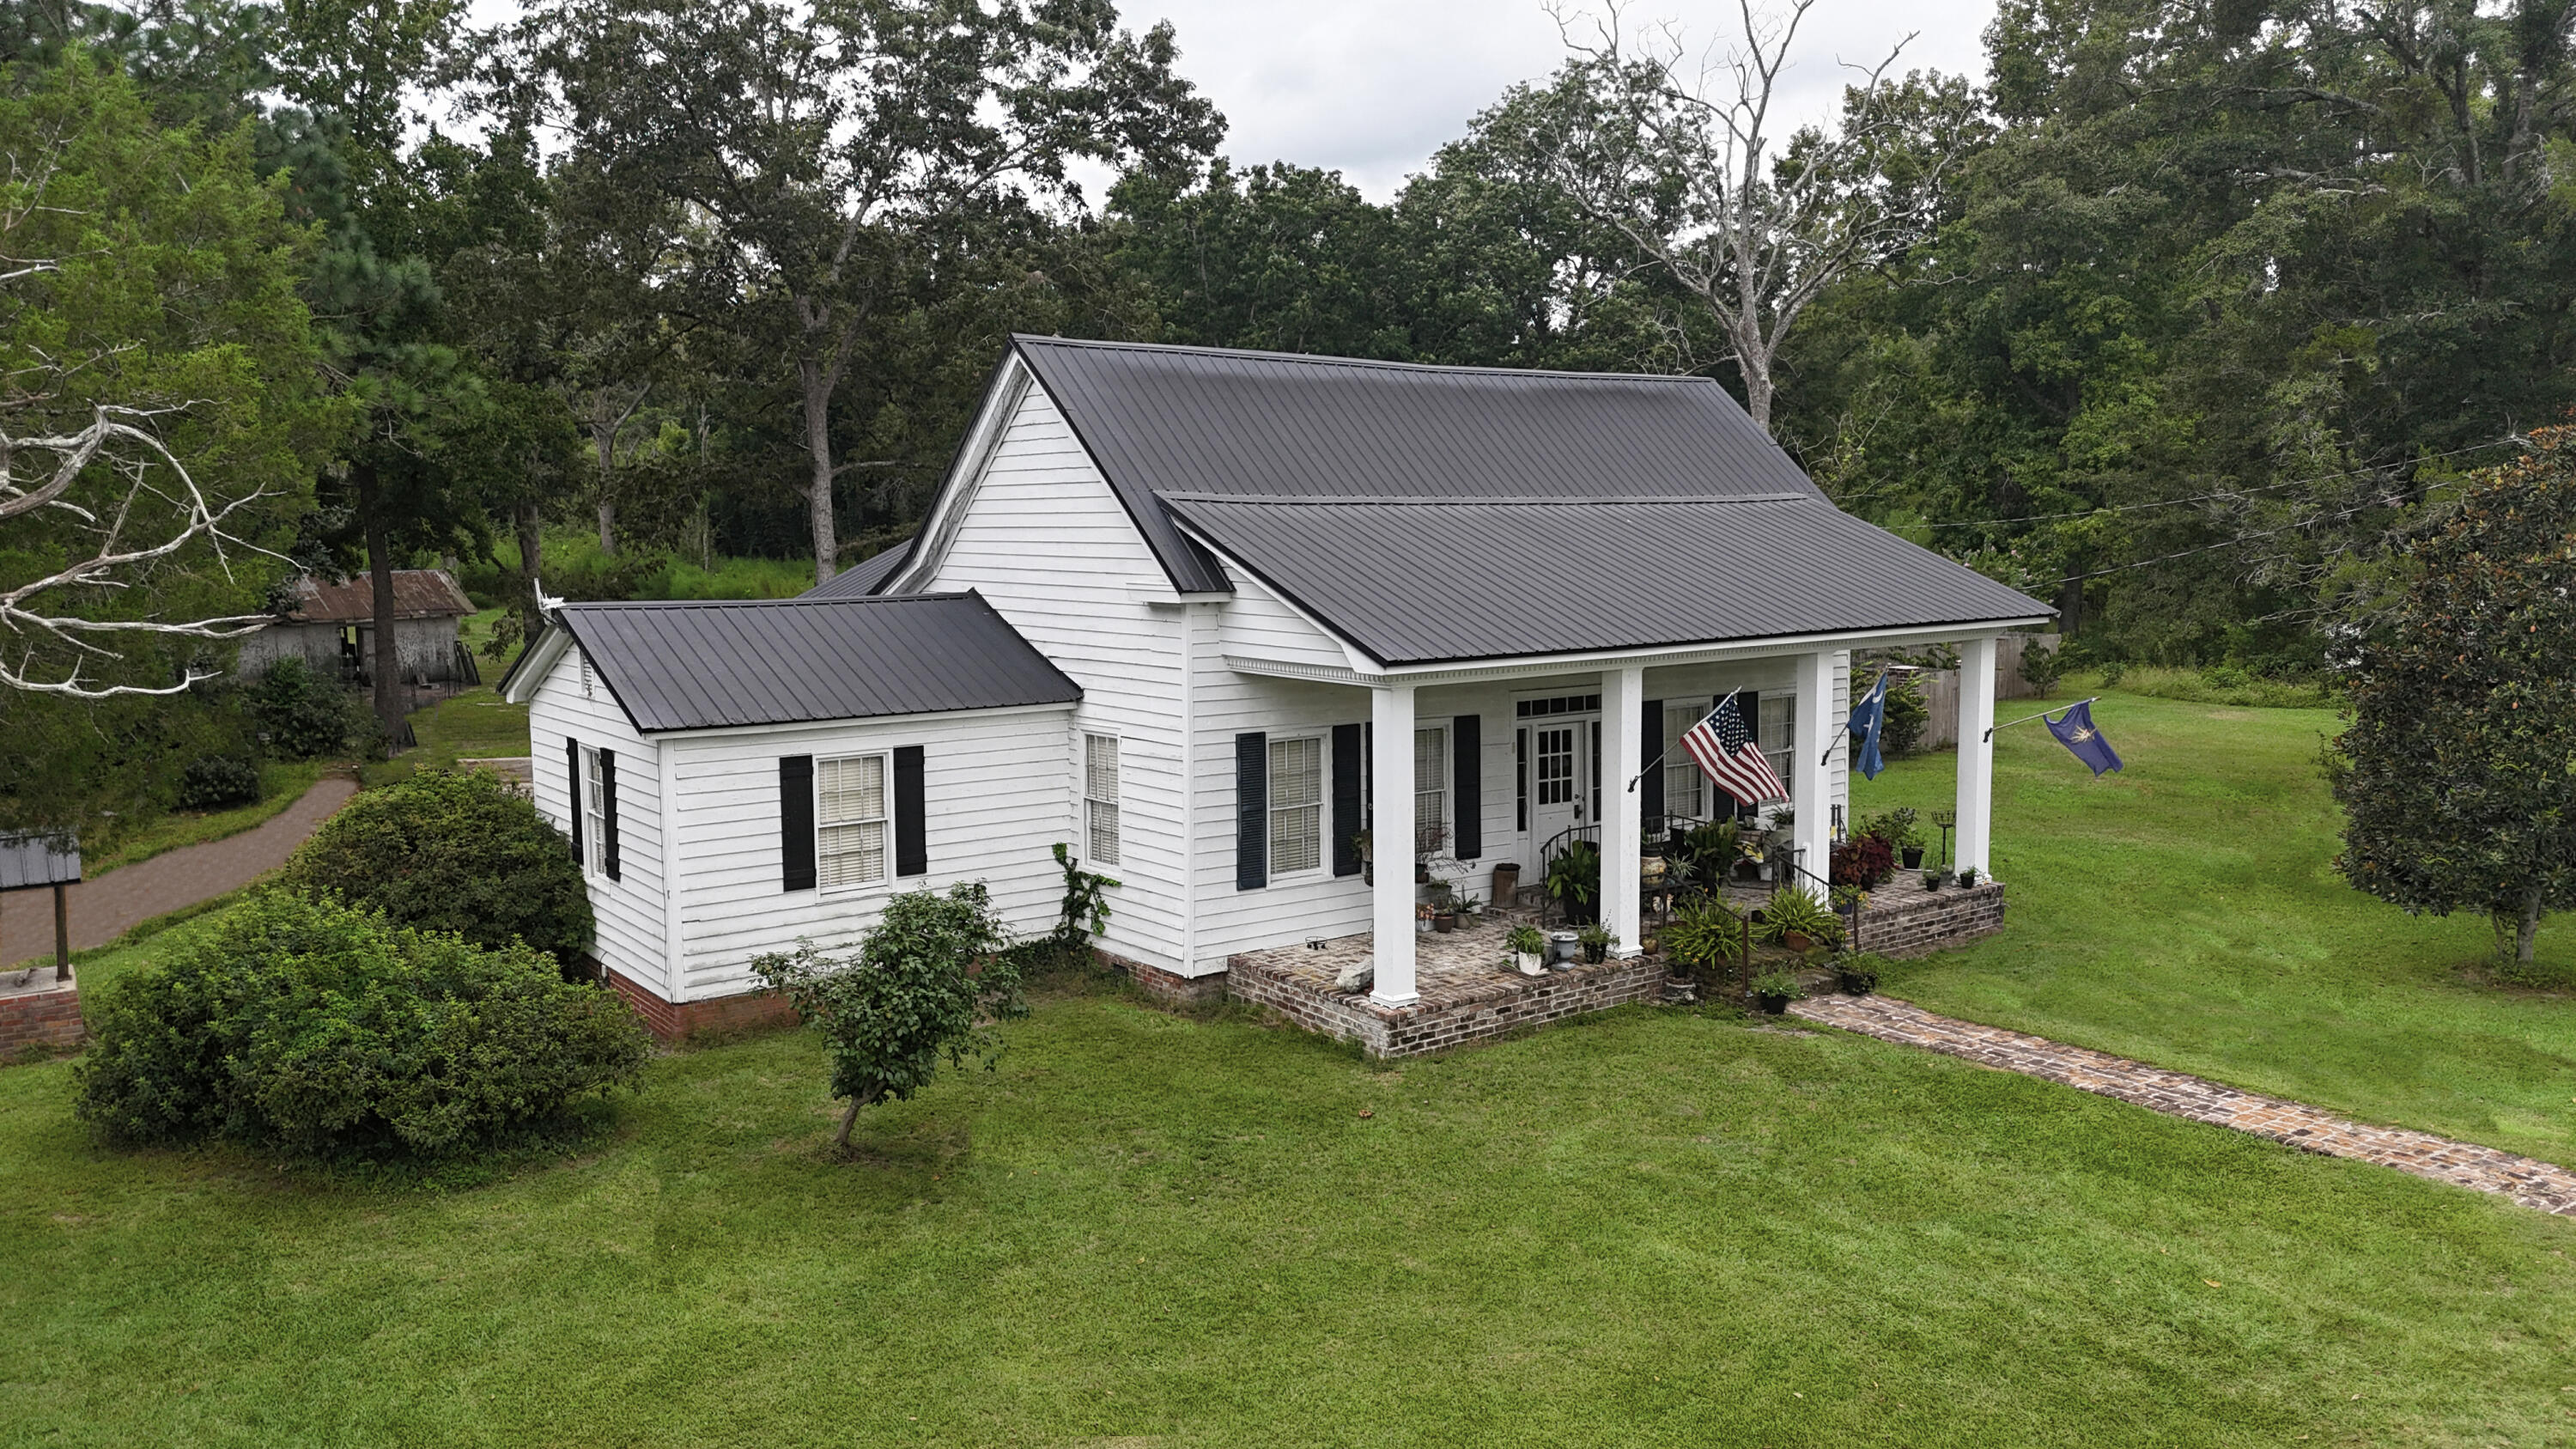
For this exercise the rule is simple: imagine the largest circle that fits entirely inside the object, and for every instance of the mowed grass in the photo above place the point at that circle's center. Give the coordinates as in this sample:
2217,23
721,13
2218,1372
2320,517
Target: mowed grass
2186,911
1650,1228
281,783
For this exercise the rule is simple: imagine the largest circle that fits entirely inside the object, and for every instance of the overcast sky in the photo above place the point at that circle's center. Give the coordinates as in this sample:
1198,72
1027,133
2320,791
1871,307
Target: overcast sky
1372,87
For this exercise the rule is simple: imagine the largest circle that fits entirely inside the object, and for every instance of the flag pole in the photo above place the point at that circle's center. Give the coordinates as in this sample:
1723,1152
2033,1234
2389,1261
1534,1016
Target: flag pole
1659,754
2043,714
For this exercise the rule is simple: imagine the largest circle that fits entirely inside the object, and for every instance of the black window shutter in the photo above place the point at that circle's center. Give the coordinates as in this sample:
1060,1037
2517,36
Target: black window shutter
911,834
572,785
1346,800
796,822
608,813
1467,778
1251,811
1650,786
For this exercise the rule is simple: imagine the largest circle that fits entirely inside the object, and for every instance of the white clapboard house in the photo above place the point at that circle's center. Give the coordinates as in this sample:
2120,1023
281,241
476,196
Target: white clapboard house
1170,606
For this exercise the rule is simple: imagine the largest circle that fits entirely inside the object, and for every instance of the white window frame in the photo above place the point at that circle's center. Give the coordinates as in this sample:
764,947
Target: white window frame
1435,790
594,816
1095,805
1319,805
1683,780
1783,752
884,821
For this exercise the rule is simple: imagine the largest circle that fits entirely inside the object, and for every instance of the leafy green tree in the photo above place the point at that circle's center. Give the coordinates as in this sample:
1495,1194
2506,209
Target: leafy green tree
826,152
2457,774
927,982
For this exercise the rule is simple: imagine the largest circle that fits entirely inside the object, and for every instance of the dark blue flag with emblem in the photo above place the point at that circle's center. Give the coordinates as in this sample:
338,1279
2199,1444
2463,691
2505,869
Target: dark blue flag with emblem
2074,729
1867,718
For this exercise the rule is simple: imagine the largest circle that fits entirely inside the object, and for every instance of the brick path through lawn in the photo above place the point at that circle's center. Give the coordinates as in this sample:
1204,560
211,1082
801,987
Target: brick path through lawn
104,909
2528,1181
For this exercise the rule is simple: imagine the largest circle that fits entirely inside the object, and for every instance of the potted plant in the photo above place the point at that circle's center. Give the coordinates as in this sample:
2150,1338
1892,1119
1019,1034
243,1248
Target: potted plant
1909,837
1561,946
1967,877
1529,950
1704,938
1574,880
1422,918
1597,940
1773,990
1932,880
1797,921
1855,973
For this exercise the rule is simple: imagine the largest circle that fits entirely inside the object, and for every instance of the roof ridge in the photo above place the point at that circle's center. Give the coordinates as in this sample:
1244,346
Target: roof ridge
1316,359
765,603
1433,500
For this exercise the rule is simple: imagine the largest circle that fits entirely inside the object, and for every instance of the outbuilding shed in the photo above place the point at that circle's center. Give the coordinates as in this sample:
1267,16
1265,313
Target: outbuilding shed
332,629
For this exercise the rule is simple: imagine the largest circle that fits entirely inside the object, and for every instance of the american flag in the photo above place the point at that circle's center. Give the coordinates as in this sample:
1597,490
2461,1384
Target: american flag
1726,753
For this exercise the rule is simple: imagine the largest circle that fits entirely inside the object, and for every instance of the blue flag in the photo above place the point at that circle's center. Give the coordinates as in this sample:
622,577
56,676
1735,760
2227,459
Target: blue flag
2074,729
1867,718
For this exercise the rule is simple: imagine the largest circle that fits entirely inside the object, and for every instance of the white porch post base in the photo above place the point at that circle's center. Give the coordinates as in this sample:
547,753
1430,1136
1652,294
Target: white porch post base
1810,779
1391,843
1623,703
1976,754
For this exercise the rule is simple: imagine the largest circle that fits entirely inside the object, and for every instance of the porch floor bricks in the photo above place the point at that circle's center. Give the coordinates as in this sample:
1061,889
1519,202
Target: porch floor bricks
2526,1180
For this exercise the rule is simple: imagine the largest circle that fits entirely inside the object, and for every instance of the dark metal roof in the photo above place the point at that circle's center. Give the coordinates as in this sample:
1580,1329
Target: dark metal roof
1418,580
37,860
709,664
1198,420
862,578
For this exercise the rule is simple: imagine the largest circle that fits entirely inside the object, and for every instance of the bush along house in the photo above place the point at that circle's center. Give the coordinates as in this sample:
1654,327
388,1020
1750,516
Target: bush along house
1209,616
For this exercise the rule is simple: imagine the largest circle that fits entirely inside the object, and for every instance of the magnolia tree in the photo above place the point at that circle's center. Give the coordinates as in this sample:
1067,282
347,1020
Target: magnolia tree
928,982
2458,773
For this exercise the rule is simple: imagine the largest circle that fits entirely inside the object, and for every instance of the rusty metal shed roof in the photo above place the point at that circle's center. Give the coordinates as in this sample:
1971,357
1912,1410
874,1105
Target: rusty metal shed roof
418,594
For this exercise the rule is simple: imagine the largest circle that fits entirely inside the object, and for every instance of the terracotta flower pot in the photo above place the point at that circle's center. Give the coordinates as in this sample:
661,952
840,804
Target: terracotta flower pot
1445,922
1796,941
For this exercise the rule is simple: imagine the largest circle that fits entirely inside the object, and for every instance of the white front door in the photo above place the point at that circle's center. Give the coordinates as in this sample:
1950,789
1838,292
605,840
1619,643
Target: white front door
1563,791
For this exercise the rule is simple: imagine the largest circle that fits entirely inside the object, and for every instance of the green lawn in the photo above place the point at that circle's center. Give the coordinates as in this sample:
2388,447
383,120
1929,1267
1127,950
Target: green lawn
1654,1227
281,783
475,724
2186,911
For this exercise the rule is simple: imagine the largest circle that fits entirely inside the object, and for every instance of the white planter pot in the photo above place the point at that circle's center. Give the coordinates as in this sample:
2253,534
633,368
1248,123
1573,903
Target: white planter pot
1531,963
1422,925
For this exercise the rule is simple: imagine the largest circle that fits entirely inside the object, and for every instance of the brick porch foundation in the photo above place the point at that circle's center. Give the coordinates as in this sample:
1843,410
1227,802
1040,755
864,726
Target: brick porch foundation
1167,986
1903,919
1468,992
673,1021
45,1015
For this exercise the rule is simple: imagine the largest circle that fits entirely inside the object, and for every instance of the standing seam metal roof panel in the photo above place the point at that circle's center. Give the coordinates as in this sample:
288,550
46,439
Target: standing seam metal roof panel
707,665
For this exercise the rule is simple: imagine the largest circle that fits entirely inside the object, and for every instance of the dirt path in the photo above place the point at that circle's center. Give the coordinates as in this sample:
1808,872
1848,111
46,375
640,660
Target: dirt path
2528,1181
104,909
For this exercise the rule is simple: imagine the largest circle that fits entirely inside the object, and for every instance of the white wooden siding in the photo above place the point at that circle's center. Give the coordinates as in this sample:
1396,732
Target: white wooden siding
994,798
630,933
1259,624
1042,538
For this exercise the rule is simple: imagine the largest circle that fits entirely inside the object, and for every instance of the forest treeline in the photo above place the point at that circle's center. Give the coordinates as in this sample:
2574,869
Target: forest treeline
2178,322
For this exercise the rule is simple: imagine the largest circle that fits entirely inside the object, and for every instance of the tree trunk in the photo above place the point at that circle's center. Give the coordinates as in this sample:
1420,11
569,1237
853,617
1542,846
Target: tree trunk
818,485
532,554
386,666
603,435
841,1139
608,528
2529,928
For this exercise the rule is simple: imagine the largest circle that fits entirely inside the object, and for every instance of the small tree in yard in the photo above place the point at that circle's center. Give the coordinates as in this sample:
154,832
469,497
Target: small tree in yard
2458,773
927,982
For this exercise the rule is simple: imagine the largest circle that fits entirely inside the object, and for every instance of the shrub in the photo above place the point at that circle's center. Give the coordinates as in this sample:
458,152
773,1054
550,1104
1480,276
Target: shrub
926,979
1907,716
1791,911
303,715
2041,667
1862,861
322,1029
453,851
1704,938
216,782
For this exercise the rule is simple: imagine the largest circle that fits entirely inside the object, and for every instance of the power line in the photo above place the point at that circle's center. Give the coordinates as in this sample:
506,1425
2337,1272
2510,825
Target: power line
2205,497
2222,543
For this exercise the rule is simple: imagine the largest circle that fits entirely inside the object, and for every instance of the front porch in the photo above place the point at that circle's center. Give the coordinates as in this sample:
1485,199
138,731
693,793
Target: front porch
1466,990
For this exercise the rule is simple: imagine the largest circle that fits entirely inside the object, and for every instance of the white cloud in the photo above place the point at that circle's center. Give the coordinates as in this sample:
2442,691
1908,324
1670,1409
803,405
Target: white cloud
1372,88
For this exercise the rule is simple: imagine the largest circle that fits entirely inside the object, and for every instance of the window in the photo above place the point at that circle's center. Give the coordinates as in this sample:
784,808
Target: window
1685,788
1430,790
850,821
1562,704
594,812
1296,805
1100,796
1779,727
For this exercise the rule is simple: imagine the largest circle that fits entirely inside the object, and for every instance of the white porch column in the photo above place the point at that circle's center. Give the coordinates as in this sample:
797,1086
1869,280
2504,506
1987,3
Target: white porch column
1810,782
1976,754
1391,842
1623,701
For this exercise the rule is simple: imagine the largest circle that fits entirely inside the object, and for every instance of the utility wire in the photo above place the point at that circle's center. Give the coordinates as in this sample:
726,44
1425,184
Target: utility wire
2224,543
2205,497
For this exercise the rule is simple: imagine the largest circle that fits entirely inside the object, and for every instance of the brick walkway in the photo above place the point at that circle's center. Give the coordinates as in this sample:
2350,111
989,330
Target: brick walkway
103,909
2528,1181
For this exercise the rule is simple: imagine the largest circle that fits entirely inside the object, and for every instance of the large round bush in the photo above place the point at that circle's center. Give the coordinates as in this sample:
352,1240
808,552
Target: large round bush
320,1028
452,851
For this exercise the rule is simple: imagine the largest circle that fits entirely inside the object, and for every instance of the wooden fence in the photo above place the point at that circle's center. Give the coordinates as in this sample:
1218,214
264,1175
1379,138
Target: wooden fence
1941,686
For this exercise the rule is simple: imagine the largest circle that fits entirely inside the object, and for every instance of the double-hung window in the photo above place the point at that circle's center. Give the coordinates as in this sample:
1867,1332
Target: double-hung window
1685,788
1779,726
1100,796
594,811
1296,805
850,821
1430,791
